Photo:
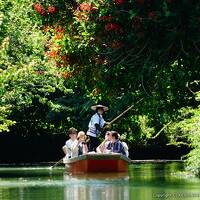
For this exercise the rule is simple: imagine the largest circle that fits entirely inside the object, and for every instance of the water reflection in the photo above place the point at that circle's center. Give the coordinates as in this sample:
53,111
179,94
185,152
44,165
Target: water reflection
143,181
97,186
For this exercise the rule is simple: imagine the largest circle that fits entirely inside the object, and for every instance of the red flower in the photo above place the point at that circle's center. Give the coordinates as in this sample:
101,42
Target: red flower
46,28
63,57
140,2
53,54
84,7
87,7
119,2
112,27
66,75
59,29
39,9
52,10
59,36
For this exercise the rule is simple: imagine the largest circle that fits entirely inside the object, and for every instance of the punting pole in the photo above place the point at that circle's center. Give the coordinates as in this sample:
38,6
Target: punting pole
116,118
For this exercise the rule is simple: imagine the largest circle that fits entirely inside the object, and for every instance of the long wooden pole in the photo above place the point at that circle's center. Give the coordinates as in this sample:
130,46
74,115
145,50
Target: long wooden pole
116,118
58,162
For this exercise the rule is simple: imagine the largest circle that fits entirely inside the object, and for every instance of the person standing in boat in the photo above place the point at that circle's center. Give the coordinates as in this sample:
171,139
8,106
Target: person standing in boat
67,148
96,125
79,147
116,146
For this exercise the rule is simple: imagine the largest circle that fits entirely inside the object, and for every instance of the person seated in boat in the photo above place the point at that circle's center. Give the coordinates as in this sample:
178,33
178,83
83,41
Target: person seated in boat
79,146
103,146
96,125
67,148
122,139
115,146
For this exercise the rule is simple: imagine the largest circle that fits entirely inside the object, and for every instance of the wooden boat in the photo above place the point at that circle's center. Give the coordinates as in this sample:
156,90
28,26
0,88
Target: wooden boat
94,162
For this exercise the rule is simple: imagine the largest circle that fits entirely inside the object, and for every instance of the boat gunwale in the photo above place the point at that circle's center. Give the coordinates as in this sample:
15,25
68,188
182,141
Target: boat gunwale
97,156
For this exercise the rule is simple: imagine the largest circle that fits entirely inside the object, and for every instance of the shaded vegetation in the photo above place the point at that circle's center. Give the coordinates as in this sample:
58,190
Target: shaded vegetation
57,58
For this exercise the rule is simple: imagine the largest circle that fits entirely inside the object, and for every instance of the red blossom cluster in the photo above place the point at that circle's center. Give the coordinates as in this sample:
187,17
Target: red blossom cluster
87,7
53,54
39,9
112,27
46,28
66,75
63,58
60,31
119,2
59,36
52,10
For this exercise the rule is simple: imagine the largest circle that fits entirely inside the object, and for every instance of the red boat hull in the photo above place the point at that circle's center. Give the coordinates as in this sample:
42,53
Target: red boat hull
97,163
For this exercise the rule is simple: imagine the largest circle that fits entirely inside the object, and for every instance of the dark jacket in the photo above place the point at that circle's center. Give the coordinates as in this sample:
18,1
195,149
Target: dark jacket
116,147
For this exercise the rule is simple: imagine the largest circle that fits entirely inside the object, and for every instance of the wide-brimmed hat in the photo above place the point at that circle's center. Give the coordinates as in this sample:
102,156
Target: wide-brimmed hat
99,106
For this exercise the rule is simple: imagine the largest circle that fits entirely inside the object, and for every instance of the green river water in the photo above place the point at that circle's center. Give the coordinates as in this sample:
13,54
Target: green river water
143,181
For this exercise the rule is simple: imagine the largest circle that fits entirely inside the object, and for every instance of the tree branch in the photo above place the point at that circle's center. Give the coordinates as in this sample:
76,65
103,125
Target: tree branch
187,85
183,50
195,45
161,130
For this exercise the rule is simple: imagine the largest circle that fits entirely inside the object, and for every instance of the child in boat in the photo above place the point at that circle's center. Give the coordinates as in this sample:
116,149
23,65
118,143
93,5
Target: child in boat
115,146
103,146
79,146
67,148
96,125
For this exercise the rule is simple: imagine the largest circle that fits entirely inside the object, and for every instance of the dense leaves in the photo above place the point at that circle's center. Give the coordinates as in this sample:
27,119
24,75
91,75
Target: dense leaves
57,58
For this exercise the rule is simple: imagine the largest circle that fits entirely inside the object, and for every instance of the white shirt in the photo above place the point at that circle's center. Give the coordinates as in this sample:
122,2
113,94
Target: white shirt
105,146
69,144
95,119
75,148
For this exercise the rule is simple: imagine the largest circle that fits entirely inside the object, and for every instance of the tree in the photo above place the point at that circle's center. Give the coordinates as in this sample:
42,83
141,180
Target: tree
60,57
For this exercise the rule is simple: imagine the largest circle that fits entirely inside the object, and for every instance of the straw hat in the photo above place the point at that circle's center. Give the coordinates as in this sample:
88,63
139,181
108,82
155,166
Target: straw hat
99,106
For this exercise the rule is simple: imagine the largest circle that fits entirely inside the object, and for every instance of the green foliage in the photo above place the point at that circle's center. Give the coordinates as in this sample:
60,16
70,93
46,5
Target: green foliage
57,58
186,131
193,161
4,122
29,84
